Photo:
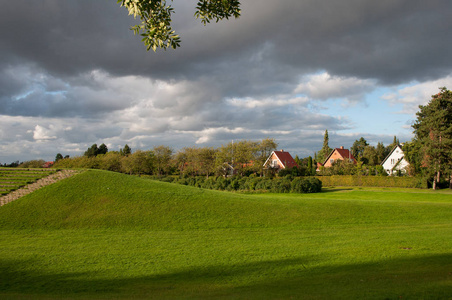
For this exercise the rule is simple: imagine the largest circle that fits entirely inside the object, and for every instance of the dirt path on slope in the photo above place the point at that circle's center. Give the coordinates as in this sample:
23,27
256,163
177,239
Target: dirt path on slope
60,175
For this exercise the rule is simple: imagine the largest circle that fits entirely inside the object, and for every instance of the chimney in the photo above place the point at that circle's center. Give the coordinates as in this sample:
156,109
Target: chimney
342,147
282,150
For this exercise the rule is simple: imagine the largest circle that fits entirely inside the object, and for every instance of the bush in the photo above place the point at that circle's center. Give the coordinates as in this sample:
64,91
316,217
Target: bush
222,183
265,184
237,183
209,183
306,185
32,164
282,185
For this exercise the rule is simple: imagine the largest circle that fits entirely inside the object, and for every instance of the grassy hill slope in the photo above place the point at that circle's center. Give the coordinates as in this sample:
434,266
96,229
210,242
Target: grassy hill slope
100,199
103,235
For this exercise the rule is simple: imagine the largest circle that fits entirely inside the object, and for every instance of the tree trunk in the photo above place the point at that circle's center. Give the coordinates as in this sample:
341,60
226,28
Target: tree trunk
436,180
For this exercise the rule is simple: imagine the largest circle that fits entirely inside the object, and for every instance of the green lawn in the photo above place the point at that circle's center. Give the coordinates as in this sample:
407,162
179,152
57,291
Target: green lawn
102,235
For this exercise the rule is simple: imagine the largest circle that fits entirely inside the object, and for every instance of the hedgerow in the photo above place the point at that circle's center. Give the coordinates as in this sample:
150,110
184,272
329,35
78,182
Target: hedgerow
373,181
264,184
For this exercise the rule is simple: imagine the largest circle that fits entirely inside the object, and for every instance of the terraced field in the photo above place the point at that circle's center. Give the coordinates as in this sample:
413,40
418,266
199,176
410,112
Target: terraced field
16,183
12,179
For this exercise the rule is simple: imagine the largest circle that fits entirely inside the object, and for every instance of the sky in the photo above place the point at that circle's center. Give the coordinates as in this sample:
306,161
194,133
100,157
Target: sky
73,74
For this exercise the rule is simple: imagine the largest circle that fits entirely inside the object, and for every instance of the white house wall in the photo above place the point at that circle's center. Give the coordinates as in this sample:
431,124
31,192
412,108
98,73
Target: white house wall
392,160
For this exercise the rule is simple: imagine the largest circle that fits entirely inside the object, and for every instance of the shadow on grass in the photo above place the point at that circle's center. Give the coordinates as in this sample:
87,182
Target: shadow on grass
412,278
335,190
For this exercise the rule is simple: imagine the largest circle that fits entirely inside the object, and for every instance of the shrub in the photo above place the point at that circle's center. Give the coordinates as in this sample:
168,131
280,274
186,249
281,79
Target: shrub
281,185
209,183
306,185
32,164
222,183
265,184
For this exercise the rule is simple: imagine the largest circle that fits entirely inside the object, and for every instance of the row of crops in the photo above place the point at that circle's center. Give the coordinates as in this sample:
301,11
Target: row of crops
12,179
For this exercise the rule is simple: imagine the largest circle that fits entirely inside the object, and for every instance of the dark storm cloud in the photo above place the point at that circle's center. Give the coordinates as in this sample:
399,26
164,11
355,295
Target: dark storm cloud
392,41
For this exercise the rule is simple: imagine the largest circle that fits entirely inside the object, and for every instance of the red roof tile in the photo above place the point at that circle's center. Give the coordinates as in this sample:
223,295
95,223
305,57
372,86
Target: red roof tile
286,159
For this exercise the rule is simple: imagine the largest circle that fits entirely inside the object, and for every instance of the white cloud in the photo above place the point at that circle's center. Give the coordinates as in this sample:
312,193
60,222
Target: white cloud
42,133
323,86
209,134
277,102
410,97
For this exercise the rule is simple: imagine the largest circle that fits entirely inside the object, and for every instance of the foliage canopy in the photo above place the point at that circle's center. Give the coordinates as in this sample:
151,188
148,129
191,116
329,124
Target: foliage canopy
433,134
155,16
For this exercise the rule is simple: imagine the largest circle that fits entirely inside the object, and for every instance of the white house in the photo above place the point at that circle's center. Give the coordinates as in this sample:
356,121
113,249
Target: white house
395,161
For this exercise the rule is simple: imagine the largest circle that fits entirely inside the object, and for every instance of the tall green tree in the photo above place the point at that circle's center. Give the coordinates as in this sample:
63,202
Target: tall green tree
310,170
381,152
58,157
102,149
125,151
181,160
206,160
155,15
370,156
140,162
395,142
326,150
92,151
433,134
162,159
358,148
411,151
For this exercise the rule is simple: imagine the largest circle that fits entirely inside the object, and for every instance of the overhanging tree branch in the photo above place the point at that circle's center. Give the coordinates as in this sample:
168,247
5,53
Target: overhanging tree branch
155,16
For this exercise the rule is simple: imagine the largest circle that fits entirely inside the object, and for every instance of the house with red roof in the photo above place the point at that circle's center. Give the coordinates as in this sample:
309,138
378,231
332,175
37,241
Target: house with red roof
339,154
280,160
48,164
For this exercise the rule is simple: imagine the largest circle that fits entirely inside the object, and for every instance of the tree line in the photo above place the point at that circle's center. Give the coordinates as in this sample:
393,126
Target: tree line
429,154
242,157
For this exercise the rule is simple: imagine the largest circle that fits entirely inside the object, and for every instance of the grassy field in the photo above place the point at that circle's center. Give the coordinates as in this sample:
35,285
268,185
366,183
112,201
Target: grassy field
103,235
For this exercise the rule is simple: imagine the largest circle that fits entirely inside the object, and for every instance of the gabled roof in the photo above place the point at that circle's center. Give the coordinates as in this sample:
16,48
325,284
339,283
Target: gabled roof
344,153
390,153
284,158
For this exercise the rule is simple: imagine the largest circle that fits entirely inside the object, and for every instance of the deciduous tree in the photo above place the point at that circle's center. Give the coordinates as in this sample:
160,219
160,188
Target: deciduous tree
358,148
155,15
162,158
